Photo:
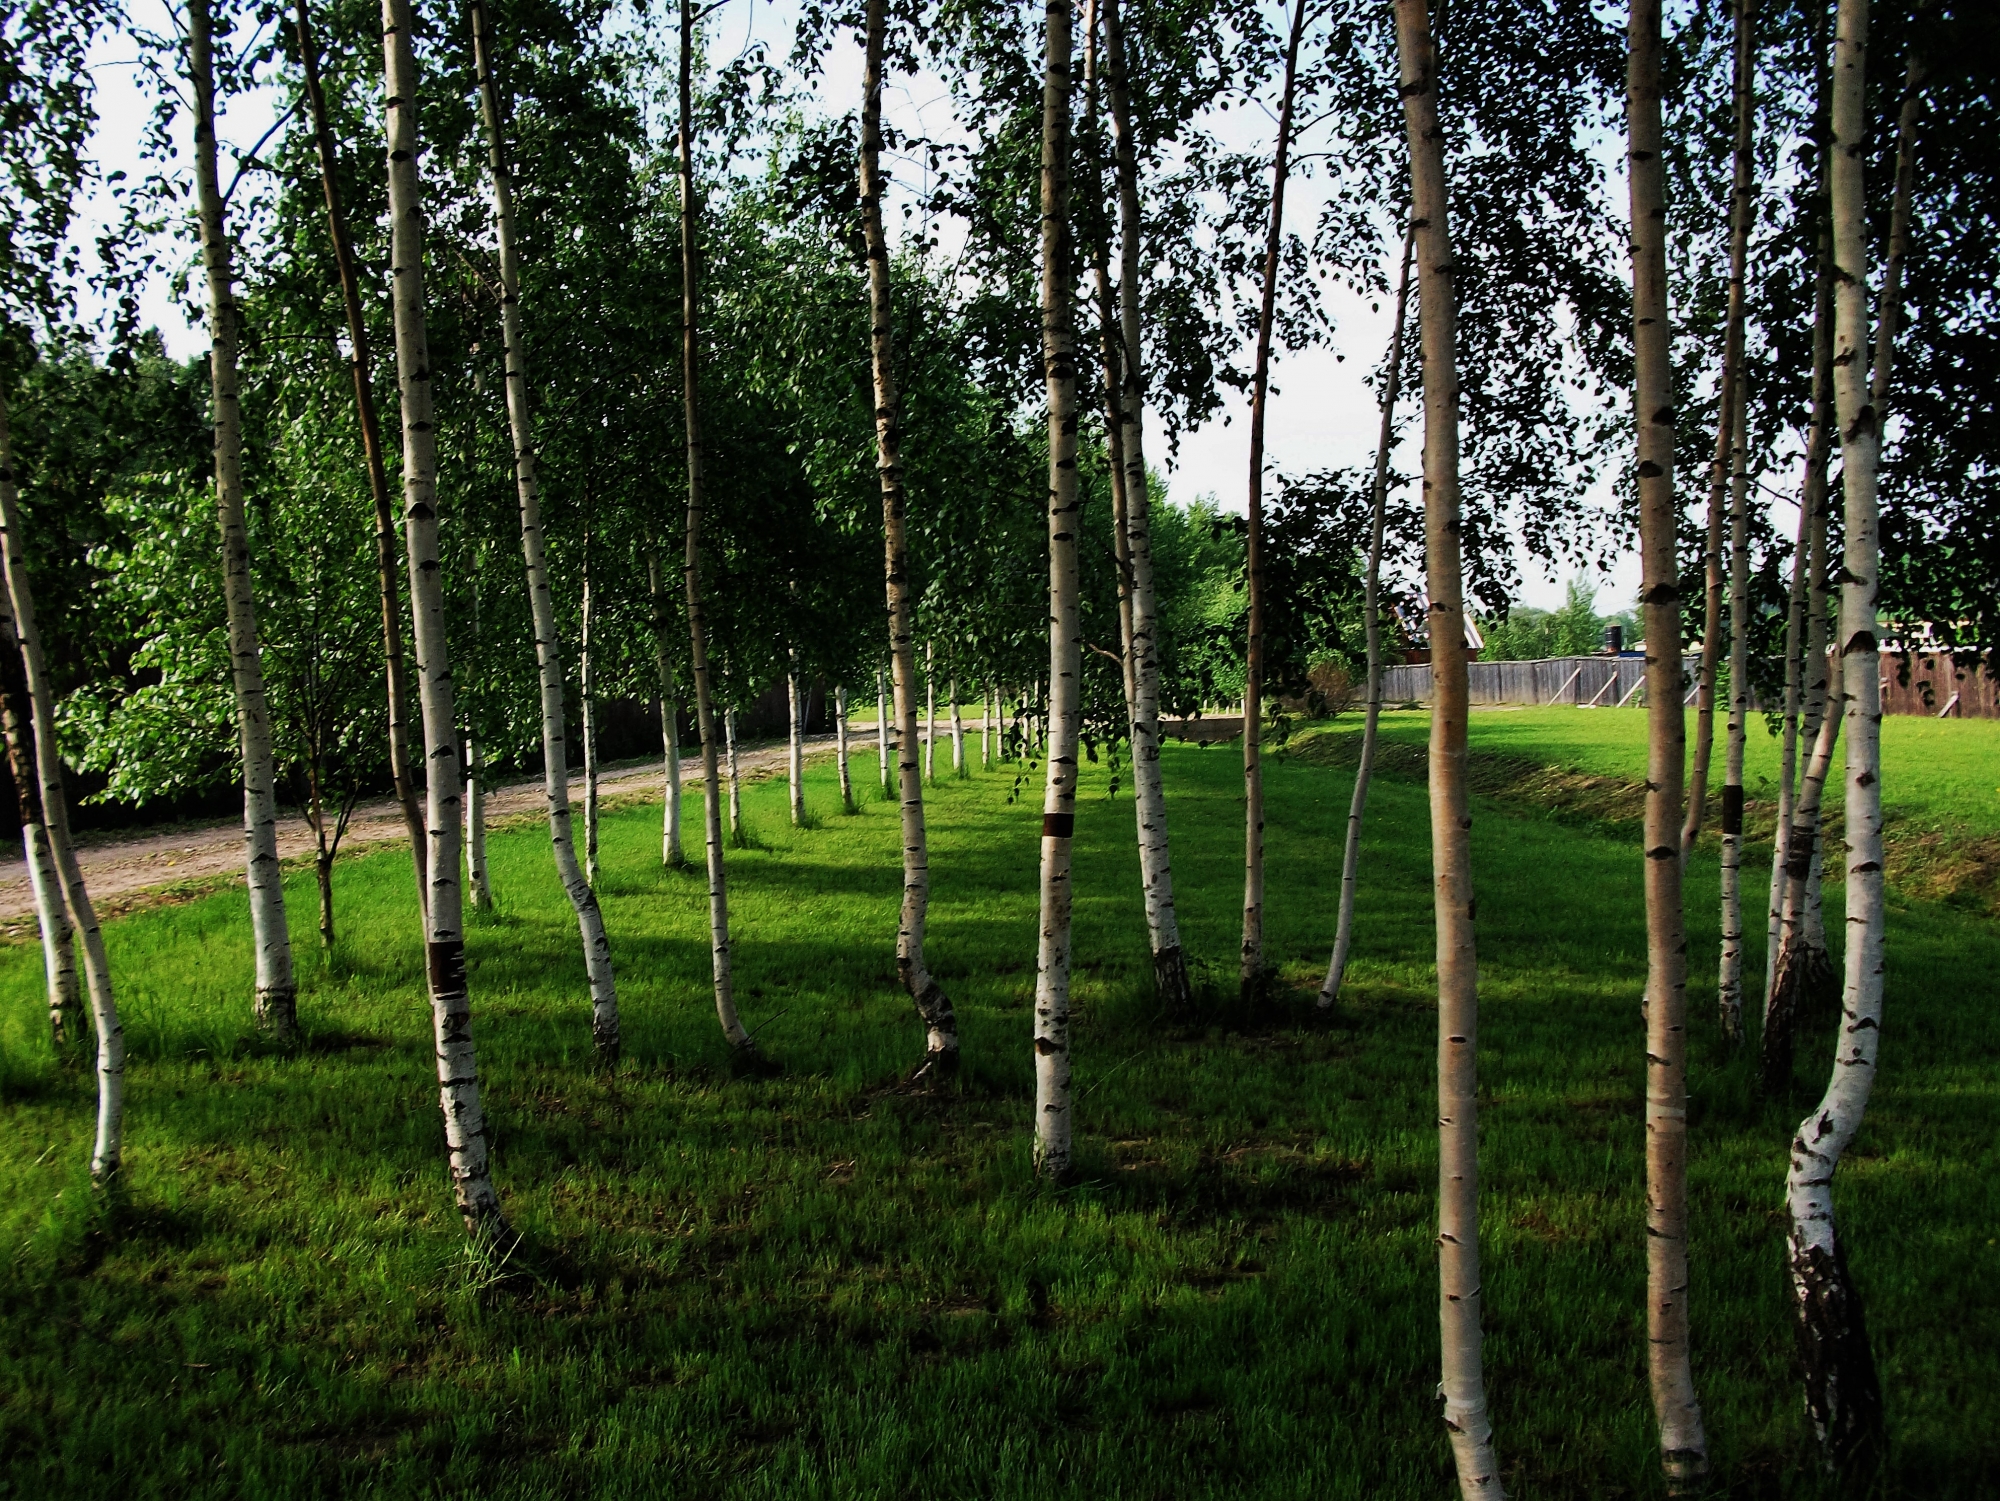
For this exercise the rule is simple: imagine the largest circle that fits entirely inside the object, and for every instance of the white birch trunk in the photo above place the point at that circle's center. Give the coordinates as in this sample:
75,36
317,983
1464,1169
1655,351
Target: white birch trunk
1054,1124
987,713
1729,978
840,749
1371,615
475,828
957,733
587,691
671,854
1149,799
1463,1386
882,733
1843,1395
932,1003
58,935
451,1011
930,715
548,650
1788,755
1799,963
277,989
1683,1441
20,641
795,750
735,781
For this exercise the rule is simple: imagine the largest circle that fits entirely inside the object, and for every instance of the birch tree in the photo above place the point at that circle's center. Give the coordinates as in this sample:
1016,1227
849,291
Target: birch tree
1254,968
1464,1382
1053,1104
1683,1443
548,652
277,989
671,854
840,750
1371,616
44,880
587,692
795,741
361,365
444,950
933,1005
1843,1394
1729,981
733,1030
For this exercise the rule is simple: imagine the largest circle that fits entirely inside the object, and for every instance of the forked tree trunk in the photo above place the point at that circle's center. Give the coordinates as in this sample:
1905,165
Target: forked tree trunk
451,1011
1371,615
1464,1383
671,854
1843,1395
735,780
475,827
1053,1104
1729,979
587,691
1149,800
21,647
361,364
840,750
882,733
541,604
795,749
1254,968
1683,1443
934,1007
1797,969
277,990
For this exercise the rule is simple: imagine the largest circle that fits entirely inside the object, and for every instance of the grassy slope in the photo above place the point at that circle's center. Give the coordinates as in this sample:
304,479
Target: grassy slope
811,1286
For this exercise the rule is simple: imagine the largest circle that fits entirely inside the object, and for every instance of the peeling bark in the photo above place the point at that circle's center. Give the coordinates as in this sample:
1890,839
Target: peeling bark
277,988
1683,1442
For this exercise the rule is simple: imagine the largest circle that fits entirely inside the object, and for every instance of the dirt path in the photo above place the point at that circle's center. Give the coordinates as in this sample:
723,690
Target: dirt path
125,873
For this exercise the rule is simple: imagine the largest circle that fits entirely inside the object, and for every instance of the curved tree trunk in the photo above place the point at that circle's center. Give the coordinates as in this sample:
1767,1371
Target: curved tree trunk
1683,1443
277,990
1170,973
1464,1383
534,551
840,750
1742,208
361,364
934,1007
21,643
1254,968
671,854
17,720
1843,1396
451,1010
1053,1104
1371,615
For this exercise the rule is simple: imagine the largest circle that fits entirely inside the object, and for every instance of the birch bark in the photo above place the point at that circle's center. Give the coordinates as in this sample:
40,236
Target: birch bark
1255,972
475,827
451,1011
1683,1443
361,364
541,604
277,990
933,1005
1788,756
735,780
1729,979
1463,1386
882,733
1843,1395
957,732
670,735
587,691
1371,616
1149,801
1053,1104
17,721
795,750
840,750
930,714
1795,971
21,641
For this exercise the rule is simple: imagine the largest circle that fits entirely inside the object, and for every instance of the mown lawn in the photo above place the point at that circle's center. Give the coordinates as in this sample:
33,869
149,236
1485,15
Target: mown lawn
812,1285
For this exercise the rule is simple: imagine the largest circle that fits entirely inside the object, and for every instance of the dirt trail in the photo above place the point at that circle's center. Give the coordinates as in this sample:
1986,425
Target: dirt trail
127,872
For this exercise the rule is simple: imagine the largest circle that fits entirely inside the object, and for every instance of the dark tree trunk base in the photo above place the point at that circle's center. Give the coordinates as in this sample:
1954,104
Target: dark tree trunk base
1843,1395
1807,985
1170,981
277,1013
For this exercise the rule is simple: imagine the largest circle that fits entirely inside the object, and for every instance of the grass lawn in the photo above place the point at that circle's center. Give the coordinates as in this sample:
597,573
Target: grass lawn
814,1286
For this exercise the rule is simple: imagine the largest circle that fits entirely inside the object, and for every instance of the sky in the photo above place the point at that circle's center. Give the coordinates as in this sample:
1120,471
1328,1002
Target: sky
1321,413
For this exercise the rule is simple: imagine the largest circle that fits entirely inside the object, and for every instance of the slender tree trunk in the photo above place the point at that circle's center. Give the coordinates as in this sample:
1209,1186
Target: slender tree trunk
1464,1384
735,780
21,648
988,712
361,363
1170,973
548,648
1254,968
587,691
957,732
1788,756
882,733
475,827
1796,970
1053,1104
1742,208
840,750
1843,1396
795,750
1683,1444
277,990
670,734
933,1005
930,714
451,1011
1371,615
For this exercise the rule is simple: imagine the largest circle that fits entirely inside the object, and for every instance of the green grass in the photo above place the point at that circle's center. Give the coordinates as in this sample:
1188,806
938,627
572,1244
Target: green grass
812,1285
